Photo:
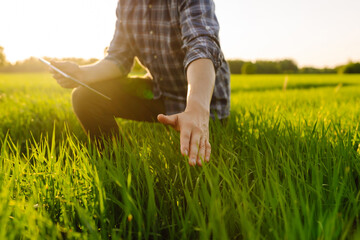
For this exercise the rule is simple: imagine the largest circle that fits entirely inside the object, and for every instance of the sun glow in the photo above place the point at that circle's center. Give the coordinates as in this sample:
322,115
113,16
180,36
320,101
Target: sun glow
322,32
56,28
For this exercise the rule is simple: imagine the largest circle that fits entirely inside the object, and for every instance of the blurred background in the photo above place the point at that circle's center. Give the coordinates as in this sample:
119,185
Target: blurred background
259,36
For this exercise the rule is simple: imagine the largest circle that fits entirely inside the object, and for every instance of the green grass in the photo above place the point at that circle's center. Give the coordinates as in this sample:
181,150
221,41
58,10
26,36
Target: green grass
286,166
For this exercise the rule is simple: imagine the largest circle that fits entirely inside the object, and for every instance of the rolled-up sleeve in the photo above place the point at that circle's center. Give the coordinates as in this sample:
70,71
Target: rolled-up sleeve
119,50
200,31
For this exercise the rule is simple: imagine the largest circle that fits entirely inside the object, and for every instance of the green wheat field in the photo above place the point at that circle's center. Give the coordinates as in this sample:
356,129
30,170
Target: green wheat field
286,166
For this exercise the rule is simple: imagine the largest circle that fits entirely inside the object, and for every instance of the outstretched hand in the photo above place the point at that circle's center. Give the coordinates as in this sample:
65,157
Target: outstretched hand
194,134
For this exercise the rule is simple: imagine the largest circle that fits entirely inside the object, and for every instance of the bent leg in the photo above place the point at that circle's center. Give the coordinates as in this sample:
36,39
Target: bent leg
97,115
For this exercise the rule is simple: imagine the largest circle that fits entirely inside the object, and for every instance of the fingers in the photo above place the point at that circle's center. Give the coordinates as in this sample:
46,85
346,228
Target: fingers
52,71
57,75
68,67
185,135
194,147
201,154
207,151
200,149
65,82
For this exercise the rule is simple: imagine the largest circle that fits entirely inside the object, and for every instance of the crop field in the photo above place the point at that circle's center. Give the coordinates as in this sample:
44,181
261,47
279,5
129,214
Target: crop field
285,166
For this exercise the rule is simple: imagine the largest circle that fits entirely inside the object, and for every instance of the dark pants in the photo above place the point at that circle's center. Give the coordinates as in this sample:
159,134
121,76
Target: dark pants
131,98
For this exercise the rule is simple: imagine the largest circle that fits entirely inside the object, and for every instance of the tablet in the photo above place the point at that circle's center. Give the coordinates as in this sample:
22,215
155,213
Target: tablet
73,79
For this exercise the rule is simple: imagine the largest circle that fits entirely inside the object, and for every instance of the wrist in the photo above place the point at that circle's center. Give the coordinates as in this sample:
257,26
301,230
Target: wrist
100,71
84,75
89,74
198,107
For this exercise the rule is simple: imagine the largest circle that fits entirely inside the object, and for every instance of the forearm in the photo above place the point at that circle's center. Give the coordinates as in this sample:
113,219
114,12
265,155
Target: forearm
100,71
201,81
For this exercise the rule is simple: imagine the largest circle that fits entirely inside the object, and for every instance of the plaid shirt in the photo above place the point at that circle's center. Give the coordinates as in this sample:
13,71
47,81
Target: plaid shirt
166,36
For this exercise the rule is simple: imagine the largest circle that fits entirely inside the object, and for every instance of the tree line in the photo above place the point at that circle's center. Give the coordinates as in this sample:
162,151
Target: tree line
285,66
32,64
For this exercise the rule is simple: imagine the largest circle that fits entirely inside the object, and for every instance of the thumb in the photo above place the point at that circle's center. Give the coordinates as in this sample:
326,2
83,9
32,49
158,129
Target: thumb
57,63
65,66
168,120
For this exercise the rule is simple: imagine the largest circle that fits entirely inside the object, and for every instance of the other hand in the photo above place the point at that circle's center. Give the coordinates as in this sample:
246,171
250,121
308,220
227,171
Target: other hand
194,134
69,68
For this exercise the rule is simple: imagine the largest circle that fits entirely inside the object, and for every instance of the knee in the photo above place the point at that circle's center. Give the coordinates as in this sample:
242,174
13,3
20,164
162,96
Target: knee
79,99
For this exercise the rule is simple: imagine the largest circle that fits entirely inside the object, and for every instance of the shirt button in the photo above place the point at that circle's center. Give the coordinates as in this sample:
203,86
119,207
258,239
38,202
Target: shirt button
150,6
161,79
155,56
151,32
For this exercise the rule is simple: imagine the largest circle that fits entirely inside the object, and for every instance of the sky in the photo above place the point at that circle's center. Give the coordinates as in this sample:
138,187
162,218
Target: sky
312,32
